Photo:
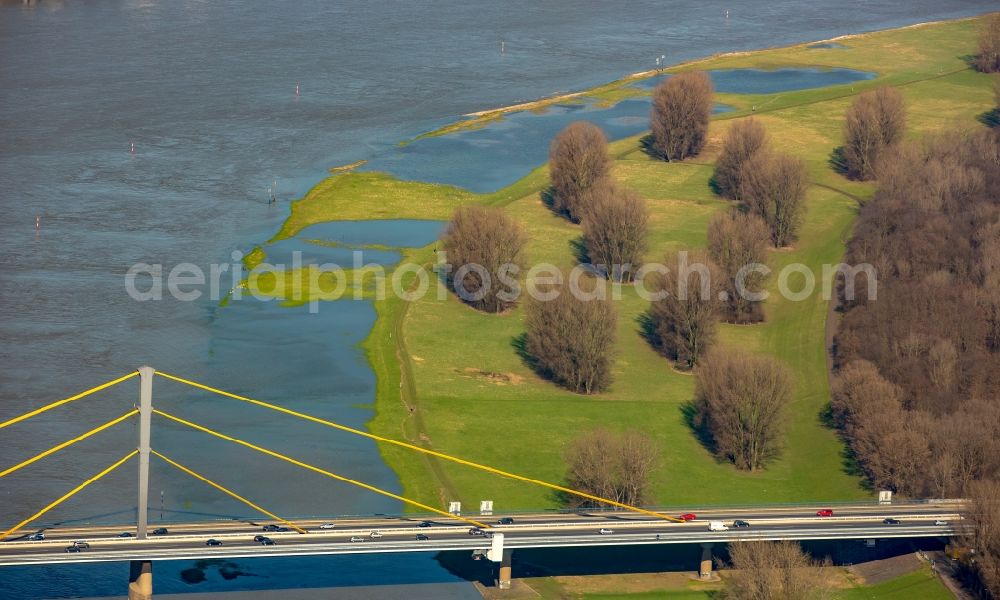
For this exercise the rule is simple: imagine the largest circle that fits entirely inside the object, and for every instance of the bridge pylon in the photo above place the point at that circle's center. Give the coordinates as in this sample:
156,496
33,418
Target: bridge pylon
145,416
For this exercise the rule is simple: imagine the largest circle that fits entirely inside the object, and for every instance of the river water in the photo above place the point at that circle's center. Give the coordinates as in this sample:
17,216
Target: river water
145,131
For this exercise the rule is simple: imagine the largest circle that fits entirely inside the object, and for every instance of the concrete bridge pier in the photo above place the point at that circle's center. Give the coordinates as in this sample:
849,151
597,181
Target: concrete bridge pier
705,569
503,580
140,580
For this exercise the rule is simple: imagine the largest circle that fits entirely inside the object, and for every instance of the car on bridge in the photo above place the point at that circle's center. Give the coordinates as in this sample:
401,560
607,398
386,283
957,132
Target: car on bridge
357,538
74,548
740,524
425,524
214,542
824,512
259,538
688,517
891,521
506,521
160,531
271,528
421,537
605,531
125,534
36,537
940,523
375,534
266,541
327,526
476,531
81,544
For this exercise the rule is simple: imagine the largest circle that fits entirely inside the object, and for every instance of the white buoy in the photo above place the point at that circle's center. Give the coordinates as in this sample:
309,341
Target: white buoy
131,147
38,222
296,89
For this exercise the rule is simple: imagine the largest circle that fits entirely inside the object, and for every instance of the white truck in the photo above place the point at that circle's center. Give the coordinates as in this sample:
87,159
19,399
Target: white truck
717,526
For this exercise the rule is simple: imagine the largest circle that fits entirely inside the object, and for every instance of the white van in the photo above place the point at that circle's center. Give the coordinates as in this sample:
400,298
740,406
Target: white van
717,526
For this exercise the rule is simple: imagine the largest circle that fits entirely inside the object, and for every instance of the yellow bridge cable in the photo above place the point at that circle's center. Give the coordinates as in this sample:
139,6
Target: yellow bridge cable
315,469
68,494
228,491
67,443
416,448
82,394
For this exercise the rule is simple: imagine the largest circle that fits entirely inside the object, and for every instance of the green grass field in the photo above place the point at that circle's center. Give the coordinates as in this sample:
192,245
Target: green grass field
450,378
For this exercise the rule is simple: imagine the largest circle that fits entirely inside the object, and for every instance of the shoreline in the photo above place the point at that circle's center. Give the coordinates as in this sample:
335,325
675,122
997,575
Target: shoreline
396,405
476,118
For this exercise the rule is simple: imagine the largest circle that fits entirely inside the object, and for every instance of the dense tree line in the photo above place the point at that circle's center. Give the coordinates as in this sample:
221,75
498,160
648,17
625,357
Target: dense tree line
919,366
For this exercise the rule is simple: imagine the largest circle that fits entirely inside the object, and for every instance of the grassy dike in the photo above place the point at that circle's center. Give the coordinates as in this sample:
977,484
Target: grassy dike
450,378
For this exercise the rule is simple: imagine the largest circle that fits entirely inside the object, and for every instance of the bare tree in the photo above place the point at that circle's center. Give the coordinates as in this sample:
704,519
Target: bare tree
571,339
744,138
578,158
736,242
613,466
875,121
774,188
988,58
485,249
773,571
741,400
682,107
614,230
682,323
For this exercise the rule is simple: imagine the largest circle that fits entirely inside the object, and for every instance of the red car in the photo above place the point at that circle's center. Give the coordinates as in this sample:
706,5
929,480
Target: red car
688,517
826,512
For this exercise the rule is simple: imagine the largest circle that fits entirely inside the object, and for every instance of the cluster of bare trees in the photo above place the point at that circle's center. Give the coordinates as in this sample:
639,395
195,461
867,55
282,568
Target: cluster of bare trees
740,401
773,571
919,368
570,340
614,219
988,58
737,240
578,159
482,242
682,107
875,122
615,466
682,324
770,184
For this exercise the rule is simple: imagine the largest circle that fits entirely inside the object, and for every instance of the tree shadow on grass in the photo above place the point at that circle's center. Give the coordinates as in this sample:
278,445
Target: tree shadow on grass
648,146
548,198
578,247
647,330
990,118
696,423
848,460
837,161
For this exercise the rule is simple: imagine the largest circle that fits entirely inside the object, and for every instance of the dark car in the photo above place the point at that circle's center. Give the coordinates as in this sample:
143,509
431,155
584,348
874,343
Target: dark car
282,529
271,528
476,531
267,542
740,524
421,537
259,538
125,534
425,524
891,521
506,521
74,548
213,542
160,531
81,545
